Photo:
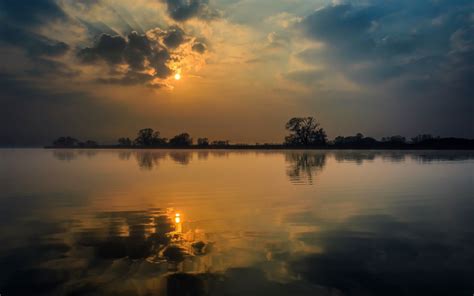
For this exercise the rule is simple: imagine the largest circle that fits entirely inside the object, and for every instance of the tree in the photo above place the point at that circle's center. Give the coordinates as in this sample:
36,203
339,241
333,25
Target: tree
305,131
147,137
354,141
421,138
65,142
203,142
220,143
394,139
124,142
183,139
157,140
90,143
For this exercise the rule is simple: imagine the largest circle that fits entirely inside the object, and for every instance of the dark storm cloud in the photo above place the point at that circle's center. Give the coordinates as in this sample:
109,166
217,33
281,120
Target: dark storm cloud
182,10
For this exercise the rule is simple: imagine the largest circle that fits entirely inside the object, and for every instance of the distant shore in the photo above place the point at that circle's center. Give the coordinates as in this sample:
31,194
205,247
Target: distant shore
469,146
305,133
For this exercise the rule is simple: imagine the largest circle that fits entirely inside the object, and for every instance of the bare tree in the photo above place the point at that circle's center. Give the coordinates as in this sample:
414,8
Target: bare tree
305,131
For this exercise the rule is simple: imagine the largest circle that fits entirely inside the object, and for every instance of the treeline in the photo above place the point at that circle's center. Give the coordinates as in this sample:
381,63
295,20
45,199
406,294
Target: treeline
149,138
304,132
307,132
146,137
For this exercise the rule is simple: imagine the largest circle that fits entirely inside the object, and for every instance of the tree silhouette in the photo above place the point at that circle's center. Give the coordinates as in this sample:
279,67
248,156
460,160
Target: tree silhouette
148,137
203,142
305,131
183,139
124,142
220,143
394,139
65,142
354,141
421,138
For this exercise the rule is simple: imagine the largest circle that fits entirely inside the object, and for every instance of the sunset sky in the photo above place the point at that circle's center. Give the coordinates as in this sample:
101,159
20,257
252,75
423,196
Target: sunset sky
102,69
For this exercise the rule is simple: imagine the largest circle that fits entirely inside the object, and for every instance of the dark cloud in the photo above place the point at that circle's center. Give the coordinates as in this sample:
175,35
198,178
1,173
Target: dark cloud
147,56
182,10
392,40
19,24
137,51
108,48
158,61
199,47
29,13
343,27
419,53
34,44
130,78
41,67
174,37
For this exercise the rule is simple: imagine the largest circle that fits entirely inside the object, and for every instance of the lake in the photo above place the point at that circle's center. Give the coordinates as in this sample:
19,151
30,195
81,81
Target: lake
184,222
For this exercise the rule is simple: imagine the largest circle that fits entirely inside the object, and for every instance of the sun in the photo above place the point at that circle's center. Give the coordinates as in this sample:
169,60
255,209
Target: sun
177,76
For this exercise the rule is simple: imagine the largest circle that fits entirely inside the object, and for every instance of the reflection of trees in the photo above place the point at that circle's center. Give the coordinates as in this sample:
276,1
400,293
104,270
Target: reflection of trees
64,155
357,156
203,155
303,166
124,155
148,159
181,157
360,156
430,156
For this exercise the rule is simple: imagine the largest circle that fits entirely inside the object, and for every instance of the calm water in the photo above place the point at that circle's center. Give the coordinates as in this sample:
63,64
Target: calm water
125,222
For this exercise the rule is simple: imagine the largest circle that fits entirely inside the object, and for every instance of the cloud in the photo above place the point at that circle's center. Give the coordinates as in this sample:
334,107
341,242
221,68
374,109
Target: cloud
147,58
108,48
379,41
199,47
29,13
307,77
182,10
344,27
174,37
34,44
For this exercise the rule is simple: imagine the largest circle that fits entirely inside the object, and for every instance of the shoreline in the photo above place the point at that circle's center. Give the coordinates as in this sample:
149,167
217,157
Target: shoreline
256,147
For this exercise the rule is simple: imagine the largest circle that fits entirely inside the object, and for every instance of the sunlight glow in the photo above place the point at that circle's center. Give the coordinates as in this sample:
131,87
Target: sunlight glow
177,218
177,76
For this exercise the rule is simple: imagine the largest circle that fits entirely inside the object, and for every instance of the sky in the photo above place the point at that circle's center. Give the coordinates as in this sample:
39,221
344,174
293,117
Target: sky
102,69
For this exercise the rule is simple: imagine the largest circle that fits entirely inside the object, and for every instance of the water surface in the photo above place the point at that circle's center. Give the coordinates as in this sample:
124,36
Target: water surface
180,222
